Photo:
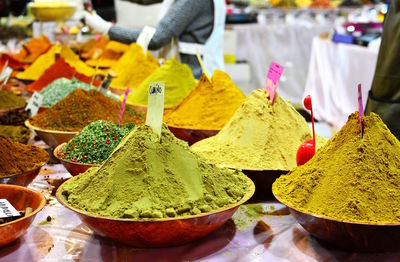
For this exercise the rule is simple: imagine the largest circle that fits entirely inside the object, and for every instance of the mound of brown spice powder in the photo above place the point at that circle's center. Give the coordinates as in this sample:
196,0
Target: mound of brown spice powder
80,108
16,158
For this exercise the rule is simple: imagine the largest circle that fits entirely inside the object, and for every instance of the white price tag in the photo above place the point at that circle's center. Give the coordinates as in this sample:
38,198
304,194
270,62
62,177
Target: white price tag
155,107
7,210
34,103
145,37
5,74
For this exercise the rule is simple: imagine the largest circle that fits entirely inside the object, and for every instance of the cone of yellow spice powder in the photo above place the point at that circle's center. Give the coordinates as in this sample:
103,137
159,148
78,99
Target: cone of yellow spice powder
209,106
260,136
179,82
352,178
45,61
132,68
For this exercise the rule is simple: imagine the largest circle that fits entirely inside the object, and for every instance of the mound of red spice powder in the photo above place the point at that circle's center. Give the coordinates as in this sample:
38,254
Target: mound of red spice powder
59,69
16,158
80,108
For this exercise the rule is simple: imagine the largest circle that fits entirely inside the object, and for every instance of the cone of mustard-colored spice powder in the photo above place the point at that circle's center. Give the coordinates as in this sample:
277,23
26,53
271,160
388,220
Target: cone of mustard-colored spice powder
352,178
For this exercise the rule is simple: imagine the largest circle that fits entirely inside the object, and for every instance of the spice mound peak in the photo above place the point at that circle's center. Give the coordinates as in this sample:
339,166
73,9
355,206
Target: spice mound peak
261,135
352,177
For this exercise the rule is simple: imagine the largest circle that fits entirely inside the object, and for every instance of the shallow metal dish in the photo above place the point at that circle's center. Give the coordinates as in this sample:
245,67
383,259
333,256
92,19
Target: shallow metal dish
52,137
157,232
20,198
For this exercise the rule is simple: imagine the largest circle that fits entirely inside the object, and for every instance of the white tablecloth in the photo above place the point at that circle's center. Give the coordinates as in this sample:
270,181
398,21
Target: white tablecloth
334,72
286,44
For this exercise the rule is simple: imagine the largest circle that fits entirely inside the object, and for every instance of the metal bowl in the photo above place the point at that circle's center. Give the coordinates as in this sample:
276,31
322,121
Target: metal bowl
52,137
192,135
23,179
363,237
157,232
20,198
52,13
73,168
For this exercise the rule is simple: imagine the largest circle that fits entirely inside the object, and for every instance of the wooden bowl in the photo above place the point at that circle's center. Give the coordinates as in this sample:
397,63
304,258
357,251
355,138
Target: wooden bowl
352,236
52,137
192,135
20,198
156,232
23,179
73,168
5,111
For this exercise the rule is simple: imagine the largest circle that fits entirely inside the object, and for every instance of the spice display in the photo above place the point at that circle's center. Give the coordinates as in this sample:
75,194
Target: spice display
59,89
19,134
11,62
209,106
80,108
9,101
133,68
142,176
261,136
58,70
95,143
40,65
46,60
179,82
93,47
108,55
16,158
354,177
33,49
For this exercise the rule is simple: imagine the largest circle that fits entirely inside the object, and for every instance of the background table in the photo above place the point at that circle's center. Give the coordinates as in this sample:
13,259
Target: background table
334,72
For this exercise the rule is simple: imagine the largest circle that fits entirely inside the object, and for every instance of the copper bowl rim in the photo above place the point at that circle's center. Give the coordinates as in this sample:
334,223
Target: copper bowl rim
29,125
34,212
59,148
3,111
194,129
246,197
332,219
37,166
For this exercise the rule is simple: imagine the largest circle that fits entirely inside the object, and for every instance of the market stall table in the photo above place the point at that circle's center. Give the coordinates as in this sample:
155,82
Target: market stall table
268,238
334,72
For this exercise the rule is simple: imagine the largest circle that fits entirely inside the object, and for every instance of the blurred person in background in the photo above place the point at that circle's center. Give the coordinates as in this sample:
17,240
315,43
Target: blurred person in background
196,25
384,96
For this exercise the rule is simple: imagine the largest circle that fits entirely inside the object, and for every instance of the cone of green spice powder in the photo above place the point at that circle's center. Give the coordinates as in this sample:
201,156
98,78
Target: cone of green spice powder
147,177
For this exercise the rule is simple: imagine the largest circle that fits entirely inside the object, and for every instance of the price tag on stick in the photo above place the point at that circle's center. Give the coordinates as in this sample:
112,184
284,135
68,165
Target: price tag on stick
273,77
155,108
145,37
121,111
360,108
34,103
7,210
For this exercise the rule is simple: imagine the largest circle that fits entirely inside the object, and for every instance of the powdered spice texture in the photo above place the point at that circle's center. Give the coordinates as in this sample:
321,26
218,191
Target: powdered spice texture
352,178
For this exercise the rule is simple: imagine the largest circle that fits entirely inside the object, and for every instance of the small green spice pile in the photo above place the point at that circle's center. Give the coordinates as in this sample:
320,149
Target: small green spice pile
95,143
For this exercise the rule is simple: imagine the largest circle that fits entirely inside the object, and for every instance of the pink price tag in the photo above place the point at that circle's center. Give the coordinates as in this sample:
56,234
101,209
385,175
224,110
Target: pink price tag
121,112
273,77
360,107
